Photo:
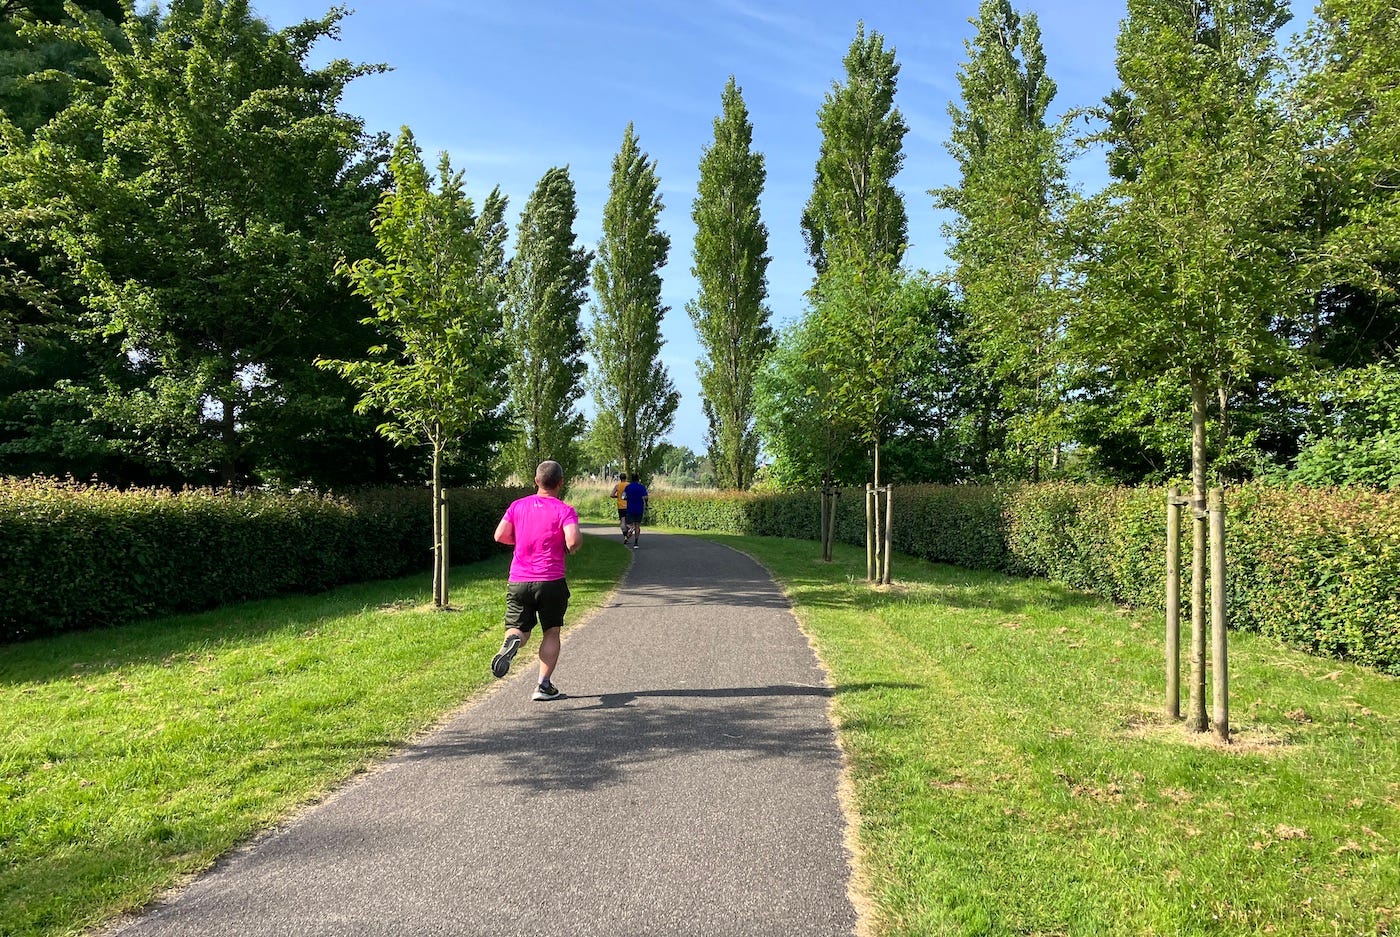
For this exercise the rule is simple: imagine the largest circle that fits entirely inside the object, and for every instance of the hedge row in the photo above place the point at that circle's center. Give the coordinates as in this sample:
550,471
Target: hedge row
1319,569
75,556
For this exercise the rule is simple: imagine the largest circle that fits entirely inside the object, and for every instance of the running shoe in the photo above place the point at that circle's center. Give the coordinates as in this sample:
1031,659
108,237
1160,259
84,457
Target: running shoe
546,691
500,664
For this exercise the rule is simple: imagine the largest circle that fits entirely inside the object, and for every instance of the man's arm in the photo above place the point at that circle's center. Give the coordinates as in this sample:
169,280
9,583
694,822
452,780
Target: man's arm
505,532
573,538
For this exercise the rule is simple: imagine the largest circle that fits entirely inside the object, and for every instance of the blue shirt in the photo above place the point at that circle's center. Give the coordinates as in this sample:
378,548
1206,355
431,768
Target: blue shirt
635,494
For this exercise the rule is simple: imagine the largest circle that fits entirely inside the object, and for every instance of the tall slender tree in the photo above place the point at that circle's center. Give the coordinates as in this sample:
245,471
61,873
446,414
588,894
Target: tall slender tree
856,230
730,264
546,286
634,398
1004,232
854,210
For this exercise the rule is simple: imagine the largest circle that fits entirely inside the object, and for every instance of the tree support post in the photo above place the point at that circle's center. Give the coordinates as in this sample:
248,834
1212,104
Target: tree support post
826,520
445,559
1219,657
869,532
889,535
1174,503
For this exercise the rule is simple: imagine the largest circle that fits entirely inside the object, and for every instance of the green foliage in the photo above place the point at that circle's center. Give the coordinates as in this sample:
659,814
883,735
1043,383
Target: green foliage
1007,244
634,397
1359,442
78,557
27,97
1350,101
1188,260
731,263
200,189
859,328
804,434
546,284
871,322
1314,568
855,212
436,298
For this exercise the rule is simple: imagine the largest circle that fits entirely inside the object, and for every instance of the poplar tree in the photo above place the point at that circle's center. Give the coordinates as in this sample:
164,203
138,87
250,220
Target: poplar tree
634,398
856,228
730,264
1004,233
546,286
855,212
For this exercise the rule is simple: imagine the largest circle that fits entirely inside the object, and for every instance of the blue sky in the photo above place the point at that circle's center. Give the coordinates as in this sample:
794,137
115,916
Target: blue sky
513,87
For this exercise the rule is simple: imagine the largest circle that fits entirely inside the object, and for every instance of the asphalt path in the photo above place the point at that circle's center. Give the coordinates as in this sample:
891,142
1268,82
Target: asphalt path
686,785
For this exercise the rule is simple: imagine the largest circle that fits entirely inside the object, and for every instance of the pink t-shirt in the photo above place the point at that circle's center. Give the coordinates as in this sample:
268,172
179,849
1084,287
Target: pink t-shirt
539,524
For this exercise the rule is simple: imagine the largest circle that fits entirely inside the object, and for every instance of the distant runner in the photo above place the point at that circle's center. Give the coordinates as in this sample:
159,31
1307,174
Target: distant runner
621,499
637,499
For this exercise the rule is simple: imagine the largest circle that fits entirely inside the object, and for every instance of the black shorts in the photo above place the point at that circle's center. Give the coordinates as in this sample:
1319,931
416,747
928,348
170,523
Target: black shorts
528,601
634,520
622,514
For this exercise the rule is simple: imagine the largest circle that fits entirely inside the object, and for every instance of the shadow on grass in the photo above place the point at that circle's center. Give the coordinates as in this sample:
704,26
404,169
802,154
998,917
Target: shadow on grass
604,740
808,579
943,587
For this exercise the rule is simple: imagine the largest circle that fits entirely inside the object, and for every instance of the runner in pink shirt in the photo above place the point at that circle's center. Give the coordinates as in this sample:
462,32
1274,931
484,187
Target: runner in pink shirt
544,531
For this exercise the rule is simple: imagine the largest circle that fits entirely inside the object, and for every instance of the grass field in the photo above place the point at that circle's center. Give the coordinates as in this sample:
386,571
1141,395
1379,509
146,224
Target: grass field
1013,774
133,756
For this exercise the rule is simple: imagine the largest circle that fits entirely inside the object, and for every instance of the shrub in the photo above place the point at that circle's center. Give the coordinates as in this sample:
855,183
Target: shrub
1317,568
77,556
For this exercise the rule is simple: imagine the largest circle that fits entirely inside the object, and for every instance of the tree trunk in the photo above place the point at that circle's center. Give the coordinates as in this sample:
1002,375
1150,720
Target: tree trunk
228,433
877,517
1196,712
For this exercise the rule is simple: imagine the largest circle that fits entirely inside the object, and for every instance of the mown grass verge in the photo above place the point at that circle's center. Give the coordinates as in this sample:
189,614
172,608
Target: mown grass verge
1013,773
134,756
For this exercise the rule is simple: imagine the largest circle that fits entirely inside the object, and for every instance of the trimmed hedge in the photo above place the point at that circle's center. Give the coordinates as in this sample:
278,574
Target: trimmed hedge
76,556
1317,568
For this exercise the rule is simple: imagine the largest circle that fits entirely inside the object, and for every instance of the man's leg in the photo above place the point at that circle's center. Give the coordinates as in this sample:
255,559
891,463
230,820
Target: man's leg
520,620
549,653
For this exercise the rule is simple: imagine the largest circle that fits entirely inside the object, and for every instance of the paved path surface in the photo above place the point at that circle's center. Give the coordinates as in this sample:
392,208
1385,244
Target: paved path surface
687,786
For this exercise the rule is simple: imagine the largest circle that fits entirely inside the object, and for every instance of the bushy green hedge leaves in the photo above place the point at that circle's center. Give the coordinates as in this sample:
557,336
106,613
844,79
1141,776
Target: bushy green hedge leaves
1318,568
74,556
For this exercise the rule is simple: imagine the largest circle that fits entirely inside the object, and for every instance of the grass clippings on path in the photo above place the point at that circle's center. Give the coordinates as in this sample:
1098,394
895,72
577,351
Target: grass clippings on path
134,756
1013,773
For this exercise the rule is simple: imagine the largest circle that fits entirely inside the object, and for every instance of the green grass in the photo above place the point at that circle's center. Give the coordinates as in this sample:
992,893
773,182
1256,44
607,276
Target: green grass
1013,773
133,756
